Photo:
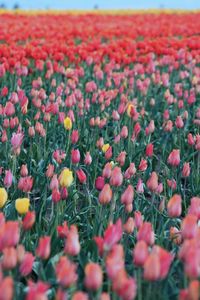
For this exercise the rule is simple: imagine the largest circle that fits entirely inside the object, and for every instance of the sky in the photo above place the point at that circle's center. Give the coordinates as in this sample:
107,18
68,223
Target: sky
102,4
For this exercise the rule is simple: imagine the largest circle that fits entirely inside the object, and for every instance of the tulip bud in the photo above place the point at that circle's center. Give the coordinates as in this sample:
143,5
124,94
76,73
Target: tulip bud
152,182
174,207
149,150
75,156
174,158
88,159
99,183
127,196
129,225
105,195
74,136
186,170
44,247
93,276
56,196
8,178
116,178
24,171
140,253
28,220
81,176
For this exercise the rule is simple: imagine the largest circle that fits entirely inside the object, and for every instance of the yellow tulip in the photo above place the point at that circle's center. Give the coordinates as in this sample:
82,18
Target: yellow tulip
129,108
3,197
105,148
68,123
22,205
66,178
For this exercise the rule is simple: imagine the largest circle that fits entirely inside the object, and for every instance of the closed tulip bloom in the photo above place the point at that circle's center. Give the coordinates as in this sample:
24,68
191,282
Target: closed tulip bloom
127,196
105,148
50,170
140,186
7,286
194,208
44,247
152,267
190,139
67,123
37,290
9,259
107,170
130,110
66,178
61,294
72,244
124,286
152,182
113,234
130,171
140,253
65,272
149,150
138,219
175,235
121,158
74,136
129,225
22,205
172,183
194,290
25,184
108,153
174,206
99,183
9,234
75,156
28,220
88,159
81,176
26,266
3,197
129,208
174,158
24,171
124,132
115,261
54,184
8,178
80,296
104,296
186,170
16,142
56,196
146,233
116,178
105,195
143,165
93,276
64,193
189,227
179,122
165,259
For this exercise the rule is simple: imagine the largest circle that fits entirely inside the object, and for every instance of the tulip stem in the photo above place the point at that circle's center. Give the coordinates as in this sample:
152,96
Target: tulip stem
112,208
68,139
139,282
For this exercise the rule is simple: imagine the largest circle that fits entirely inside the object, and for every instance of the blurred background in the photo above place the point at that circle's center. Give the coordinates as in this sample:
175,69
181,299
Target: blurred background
99,4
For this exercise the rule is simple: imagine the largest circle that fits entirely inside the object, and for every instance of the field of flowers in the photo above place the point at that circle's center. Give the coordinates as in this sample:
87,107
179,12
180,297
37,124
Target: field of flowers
100,156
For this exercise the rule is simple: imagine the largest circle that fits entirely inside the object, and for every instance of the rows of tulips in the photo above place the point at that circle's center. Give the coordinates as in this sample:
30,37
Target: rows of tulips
100,157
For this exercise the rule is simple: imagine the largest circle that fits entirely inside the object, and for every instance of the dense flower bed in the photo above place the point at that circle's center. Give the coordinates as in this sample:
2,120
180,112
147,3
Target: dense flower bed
100,156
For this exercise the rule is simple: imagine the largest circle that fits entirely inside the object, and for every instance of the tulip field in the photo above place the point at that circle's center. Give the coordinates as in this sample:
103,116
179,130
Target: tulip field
100,155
